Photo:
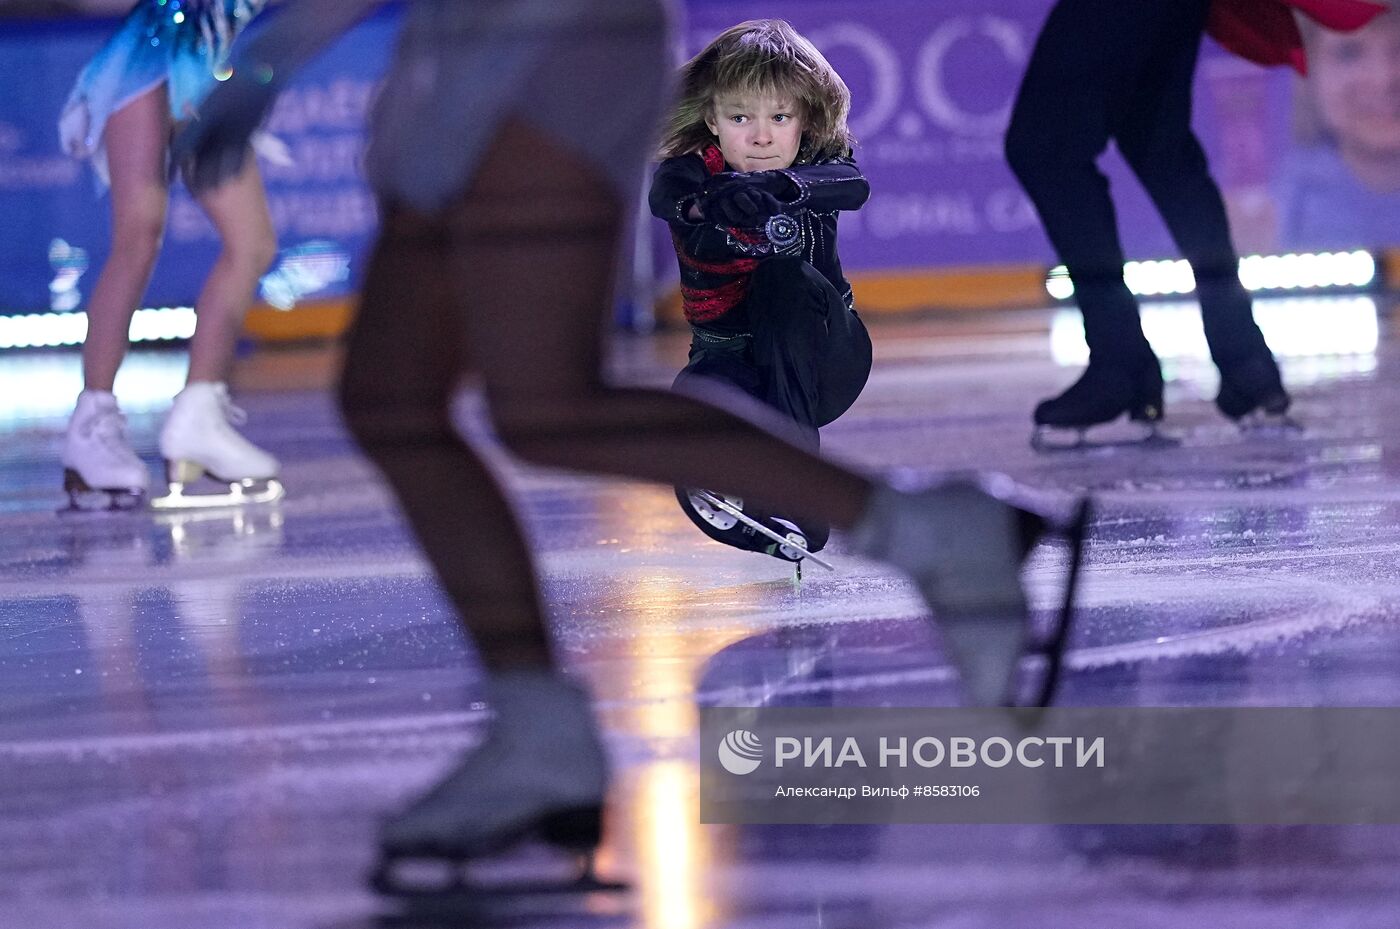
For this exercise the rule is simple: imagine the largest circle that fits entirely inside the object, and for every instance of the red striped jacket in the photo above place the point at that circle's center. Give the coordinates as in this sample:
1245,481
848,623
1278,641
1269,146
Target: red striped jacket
717,262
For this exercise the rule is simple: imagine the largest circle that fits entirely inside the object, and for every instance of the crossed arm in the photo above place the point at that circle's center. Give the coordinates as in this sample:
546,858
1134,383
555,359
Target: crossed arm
683,194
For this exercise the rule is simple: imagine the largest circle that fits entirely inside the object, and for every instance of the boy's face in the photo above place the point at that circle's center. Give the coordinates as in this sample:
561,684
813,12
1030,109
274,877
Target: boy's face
757,132
1357,81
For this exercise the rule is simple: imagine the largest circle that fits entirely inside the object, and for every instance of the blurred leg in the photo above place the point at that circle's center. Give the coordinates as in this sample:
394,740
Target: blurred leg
238,210
404,360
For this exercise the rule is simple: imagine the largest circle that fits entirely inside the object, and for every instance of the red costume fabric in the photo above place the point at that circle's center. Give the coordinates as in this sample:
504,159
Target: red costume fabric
1264,31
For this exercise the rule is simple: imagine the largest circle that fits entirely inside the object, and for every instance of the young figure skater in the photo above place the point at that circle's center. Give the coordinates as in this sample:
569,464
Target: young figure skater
503,216
758,167
150,77
1110,69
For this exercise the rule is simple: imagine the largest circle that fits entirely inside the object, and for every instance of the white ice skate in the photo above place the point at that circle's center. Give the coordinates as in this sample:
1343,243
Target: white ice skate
199,439
963,543
520,816
100,470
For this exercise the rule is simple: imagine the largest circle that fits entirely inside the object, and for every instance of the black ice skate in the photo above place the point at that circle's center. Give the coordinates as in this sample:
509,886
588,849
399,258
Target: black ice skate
964,543
517,821
1103,393
1252,394
723,518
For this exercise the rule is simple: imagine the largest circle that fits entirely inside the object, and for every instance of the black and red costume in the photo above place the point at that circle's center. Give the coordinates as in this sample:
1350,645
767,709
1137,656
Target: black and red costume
769,309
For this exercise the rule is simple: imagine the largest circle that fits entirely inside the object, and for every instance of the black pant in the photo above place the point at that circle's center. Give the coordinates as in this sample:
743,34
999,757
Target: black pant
806,355
1122,70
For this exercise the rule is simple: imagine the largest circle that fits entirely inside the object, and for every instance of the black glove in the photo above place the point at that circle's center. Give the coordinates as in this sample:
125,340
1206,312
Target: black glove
744,200
212,147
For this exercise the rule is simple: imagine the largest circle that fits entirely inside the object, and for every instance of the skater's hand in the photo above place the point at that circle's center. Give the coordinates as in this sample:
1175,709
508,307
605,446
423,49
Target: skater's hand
212,147
744,200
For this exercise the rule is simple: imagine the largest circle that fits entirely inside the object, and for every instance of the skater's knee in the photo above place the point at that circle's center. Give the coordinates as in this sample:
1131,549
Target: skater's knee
789,290
545,427
381,422
1039,151
1032,158
262,248
1024,146
534,427
785,273
253,249
1162,160
137,237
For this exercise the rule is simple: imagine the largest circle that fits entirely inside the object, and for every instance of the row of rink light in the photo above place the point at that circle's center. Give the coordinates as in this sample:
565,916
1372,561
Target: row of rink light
1353,270
58,330
1259,273
1331,326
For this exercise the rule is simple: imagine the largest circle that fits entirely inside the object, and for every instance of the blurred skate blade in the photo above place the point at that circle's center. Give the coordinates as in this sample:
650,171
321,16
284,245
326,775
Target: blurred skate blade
536,881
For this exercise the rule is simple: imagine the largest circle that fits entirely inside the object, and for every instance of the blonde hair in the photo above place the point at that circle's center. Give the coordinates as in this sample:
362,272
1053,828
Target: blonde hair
762,57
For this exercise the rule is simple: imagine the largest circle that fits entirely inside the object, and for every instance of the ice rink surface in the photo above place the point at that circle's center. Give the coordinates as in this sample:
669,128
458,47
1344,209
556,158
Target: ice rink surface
204,716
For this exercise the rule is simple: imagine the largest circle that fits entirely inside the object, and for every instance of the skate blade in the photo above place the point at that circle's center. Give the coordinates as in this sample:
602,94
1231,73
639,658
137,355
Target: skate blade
1051,652
787,542
1267,425
572,906
540,880
83,499
985,645
712,515
993,646
240,493
1048,439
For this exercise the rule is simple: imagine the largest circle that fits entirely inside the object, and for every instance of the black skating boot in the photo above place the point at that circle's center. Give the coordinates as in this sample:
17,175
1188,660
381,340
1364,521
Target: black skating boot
1252,383
1105,391
726,518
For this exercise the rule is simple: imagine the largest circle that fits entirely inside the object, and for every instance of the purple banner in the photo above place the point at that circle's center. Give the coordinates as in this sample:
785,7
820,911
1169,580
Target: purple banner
933,85
1304,165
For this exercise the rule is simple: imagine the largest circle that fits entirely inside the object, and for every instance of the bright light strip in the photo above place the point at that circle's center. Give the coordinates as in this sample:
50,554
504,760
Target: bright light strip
43,385
1295,327
1257,272
1153,278
55,330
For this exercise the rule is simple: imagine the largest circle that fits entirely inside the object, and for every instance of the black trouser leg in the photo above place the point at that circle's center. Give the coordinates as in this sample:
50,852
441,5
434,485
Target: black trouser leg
808,357
813,353
1059,127
1153,131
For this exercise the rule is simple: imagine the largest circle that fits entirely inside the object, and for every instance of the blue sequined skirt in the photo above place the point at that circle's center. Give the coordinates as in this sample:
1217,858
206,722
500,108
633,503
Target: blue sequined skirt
183,44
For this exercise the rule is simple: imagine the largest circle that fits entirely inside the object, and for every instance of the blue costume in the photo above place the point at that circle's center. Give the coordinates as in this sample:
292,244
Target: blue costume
181,43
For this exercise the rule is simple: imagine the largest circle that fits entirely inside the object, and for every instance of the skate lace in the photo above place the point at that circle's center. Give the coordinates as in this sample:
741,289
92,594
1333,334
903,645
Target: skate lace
233,413
109,428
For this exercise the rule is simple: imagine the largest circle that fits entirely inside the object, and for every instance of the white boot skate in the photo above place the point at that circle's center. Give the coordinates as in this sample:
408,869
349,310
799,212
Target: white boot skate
963,543
521,815
199,439
100,470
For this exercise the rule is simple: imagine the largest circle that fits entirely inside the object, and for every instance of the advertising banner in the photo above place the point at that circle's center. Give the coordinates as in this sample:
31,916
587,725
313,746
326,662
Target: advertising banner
1304,165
